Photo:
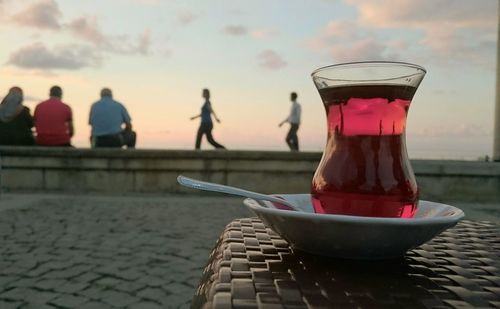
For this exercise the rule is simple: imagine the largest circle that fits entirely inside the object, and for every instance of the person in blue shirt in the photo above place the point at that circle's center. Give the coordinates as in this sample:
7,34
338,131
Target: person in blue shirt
206,124
111,123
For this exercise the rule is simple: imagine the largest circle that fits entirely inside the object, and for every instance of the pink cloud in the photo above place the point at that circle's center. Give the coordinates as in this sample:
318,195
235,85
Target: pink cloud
43,14
346,41
270,60
263,34
452,30
443,32
365,49
334,31
341,29
87,28
404,13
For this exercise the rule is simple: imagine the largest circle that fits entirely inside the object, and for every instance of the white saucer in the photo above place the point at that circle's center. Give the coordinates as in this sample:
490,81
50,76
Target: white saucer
355,237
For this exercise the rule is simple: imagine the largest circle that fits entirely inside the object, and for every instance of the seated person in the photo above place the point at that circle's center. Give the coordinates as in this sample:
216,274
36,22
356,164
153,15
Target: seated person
111,123
15,121
54,121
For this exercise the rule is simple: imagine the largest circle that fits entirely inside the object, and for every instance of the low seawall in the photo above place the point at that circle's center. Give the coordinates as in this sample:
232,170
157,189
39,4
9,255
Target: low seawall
155,171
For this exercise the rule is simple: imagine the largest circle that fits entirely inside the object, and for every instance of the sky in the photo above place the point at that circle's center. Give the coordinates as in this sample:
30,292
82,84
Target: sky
158,55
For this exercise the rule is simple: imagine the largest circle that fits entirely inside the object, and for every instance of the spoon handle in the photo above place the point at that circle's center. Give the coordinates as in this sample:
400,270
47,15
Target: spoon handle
208,186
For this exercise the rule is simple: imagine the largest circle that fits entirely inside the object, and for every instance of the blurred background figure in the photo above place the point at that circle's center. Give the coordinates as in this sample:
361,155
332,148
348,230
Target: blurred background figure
10,106
111,123
15,120
54,121
294,119
206,124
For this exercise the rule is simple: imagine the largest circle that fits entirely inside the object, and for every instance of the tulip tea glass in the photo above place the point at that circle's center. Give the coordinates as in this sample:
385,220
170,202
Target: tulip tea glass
365,170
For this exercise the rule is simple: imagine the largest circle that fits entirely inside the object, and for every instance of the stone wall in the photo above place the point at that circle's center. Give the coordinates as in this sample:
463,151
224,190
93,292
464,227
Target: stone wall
155,171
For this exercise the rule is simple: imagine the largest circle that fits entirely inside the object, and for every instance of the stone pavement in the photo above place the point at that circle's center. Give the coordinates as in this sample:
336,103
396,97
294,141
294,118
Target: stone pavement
84,251
87,251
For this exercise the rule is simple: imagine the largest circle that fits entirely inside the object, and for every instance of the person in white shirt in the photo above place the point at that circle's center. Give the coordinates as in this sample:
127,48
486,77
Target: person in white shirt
294,119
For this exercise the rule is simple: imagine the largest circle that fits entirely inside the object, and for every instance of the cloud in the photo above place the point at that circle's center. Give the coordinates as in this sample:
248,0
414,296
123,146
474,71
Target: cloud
70,57
240,30
263,34
388,13
41,58
347,41
87,28
235,30
365,49
452,30
144,43
333,32
44,14
186,17
340,29
270,60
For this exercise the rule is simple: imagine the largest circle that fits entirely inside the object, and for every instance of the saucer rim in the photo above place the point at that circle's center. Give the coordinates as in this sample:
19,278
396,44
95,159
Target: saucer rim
455,217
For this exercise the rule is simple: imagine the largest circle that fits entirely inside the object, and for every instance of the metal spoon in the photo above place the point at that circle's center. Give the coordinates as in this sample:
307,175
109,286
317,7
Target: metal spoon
214,187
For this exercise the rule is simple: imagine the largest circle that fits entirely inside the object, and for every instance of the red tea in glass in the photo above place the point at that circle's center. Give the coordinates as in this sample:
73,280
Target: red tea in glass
365,170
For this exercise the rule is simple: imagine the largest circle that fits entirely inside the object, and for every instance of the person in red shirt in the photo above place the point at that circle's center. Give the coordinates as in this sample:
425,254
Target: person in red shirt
53,121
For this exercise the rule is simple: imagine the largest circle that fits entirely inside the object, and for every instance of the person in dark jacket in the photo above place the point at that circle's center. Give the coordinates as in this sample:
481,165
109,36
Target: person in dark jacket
16,121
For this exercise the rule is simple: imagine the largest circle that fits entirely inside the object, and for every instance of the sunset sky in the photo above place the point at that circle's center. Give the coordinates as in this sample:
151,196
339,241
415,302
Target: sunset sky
157,55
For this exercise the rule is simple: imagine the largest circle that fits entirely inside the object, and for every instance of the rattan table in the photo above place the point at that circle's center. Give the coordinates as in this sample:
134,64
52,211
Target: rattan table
252,267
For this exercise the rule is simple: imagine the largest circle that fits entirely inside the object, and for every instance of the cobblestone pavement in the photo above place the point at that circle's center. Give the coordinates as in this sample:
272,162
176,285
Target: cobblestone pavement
61,251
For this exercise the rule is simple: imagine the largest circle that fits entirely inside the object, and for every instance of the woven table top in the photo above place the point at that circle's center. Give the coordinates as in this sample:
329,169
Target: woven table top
252,267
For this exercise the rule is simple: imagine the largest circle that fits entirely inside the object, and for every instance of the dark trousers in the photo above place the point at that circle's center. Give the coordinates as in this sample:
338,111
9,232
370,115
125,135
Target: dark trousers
60,145
124,138
292,139
206,128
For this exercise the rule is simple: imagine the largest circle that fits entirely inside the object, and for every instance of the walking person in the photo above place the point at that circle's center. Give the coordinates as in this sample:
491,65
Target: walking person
111,123
54,121
292,139
206,124
15,120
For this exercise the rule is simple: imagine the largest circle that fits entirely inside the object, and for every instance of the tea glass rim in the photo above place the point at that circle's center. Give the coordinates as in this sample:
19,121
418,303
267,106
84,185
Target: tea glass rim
366,64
